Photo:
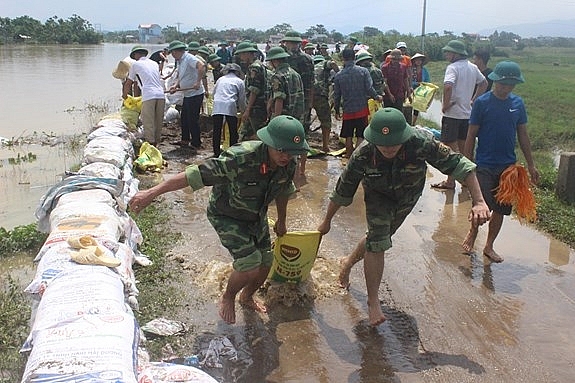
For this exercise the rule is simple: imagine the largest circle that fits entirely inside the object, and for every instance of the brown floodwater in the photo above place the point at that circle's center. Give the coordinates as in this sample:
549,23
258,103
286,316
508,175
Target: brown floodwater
451,317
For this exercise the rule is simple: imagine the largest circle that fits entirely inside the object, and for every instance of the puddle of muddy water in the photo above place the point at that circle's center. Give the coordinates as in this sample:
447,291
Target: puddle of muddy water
26,173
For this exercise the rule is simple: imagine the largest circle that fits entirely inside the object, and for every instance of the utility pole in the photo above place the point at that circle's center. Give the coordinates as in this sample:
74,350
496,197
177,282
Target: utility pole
178,24
423,27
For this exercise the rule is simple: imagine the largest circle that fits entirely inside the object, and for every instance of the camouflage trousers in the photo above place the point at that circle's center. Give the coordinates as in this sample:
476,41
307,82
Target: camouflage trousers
323,111
384,217
249,243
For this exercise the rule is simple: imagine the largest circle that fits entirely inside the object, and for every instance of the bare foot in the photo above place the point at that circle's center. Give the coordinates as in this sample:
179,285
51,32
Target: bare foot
228,310
376,316
469,240
344,271
491,254
254,305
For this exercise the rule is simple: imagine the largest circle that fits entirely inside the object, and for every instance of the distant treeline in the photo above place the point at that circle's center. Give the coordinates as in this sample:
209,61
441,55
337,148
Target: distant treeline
76,30
24,29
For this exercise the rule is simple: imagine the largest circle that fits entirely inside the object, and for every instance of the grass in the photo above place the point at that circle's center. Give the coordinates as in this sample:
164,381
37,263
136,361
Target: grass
158,283
14,314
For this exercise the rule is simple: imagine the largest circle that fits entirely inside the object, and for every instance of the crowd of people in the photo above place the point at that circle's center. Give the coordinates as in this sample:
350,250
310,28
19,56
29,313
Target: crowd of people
271,100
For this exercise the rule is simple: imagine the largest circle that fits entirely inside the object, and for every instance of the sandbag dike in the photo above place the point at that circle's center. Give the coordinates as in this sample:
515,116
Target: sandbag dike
82,326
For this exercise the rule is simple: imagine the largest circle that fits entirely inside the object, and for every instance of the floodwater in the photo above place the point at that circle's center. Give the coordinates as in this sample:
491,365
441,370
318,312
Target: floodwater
451,317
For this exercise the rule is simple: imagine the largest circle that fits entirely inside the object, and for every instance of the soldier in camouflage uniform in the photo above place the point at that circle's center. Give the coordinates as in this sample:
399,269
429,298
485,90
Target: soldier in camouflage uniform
364,59
216,65
245,179
391,164
257,91
286,87
303,64
321,97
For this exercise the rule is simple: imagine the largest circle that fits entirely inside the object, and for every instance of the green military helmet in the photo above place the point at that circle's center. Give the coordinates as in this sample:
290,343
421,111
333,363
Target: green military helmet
292,36
388,128
193,46
363,56
204,50
323,46
276,53
309,46
245,46
175,45
318,58
507,73
285,134
213,57
138,48
455,46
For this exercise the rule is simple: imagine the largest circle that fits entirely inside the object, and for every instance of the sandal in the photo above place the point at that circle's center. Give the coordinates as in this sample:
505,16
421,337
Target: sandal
443,185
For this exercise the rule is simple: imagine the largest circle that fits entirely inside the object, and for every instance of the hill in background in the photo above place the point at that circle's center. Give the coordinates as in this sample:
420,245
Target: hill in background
552,28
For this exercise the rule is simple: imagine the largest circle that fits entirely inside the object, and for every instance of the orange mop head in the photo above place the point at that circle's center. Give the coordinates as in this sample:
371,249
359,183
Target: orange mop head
515,189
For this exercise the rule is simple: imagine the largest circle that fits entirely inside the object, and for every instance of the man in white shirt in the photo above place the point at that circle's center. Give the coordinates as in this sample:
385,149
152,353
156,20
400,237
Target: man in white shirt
462,84
229,99
146,74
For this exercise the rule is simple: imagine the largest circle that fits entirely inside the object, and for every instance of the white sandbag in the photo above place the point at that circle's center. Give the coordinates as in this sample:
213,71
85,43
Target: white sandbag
84,196
112,123
102,170
75,223
108,131
82,330
171,115
113,143
94,154
160,372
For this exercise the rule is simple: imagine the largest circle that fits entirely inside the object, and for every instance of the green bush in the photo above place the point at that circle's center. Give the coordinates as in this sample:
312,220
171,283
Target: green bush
21,238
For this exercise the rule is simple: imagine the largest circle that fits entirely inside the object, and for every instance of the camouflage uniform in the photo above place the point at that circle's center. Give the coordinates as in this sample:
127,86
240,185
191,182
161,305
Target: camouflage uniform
287,85
256,82
377,78
243,187
302,63
321,93
392,187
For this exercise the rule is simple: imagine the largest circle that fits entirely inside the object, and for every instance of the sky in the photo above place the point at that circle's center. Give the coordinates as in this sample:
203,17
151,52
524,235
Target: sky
345,16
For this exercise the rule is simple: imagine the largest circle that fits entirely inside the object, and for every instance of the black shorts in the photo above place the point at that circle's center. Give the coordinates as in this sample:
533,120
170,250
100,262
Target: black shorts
349,126
489,181
453,129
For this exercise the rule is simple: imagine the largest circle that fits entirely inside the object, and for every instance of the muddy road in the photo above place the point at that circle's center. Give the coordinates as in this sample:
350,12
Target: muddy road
451,317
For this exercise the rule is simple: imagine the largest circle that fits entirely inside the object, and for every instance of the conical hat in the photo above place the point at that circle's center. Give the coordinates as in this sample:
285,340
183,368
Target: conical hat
121,71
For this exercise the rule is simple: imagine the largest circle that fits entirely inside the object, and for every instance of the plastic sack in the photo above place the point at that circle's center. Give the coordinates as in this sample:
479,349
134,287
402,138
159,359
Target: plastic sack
133,103
149,158
423,96
373,106
294,255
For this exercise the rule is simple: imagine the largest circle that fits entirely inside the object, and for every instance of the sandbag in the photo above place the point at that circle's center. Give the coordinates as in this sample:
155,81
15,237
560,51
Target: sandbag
423,96
149,158
294,255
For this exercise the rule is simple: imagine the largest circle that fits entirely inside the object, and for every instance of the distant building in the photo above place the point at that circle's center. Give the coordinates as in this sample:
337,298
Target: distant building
150,34
276,39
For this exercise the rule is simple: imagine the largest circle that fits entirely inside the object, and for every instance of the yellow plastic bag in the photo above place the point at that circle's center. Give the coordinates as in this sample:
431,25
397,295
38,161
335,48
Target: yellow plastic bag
133,103
423,96
149,158
373,106
294,255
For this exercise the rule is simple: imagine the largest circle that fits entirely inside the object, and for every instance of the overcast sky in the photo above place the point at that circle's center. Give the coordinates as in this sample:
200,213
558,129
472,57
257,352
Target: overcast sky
345,16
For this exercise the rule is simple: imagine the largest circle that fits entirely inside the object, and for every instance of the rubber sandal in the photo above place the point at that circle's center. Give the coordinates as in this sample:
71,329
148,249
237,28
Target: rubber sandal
442,185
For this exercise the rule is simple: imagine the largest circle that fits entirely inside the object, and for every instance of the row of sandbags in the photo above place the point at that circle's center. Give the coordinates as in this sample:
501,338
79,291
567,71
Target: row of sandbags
84,289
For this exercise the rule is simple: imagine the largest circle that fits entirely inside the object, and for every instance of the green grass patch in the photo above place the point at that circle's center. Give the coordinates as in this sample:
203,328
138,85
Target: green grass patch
14,315
21,238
